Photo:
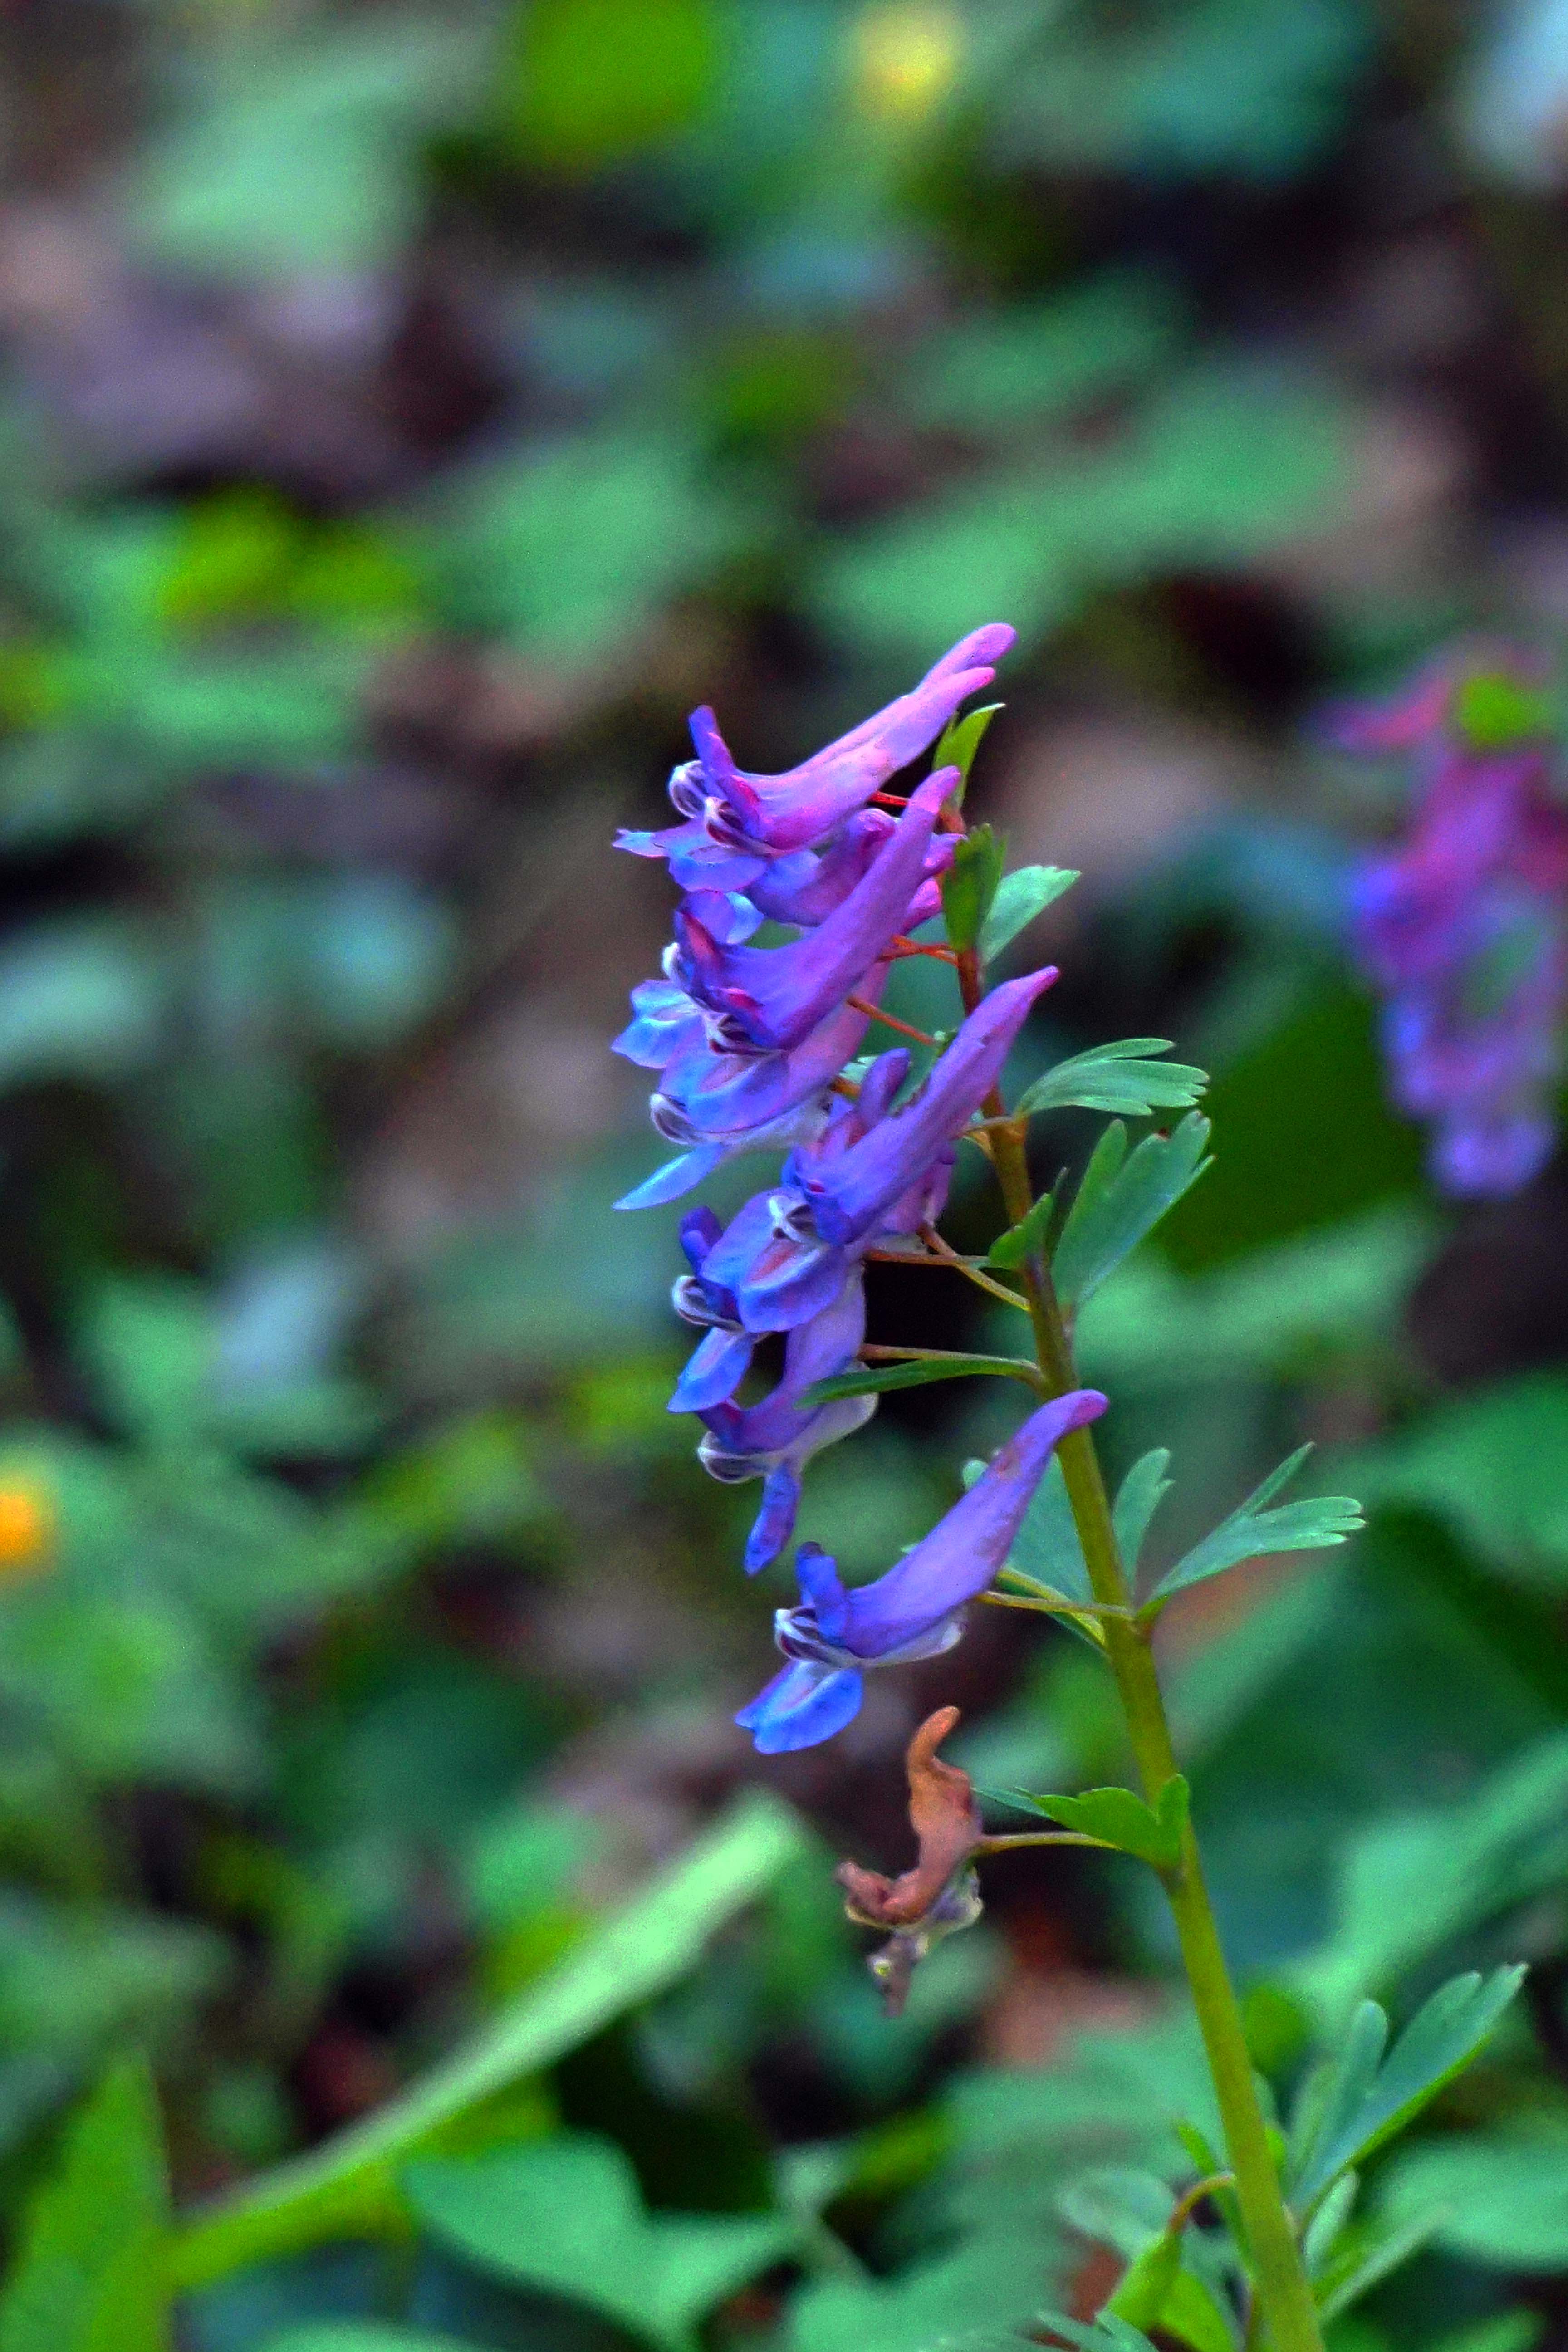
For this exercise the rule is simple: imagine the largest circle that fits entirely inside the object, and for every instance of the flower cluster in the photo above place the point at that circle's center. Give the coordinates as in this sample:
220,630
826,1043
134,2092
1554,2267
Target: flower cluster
1463,929
752,1044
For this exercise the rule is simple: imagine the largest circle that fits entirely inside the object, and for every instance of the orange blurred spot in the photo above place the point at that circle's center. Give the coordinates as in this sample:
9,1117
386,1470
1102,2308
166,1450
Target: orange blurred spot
26,1530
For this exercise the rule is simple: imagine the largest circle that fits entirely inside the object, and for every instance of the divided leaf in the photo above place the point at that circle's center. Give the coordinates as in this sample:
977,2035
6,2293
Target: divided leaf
1122,1199
1020,897
1009,1250
958,743
970,885
91,2273
1365,2099
874,1379
1153,1833
1253,1528
1138,1498
1120,1078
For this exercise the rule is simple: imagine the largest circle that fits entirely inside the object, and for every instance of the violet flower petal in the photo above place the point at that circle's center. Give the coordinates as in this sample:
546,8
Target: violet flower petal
801,1707
849,1191
964,1550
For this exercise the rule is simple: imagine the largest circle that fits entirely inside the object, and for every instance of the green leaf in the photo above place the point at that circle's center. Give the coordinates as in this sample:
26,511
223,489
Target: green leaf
1138,1498
564,2217
365,2336
1022,895
1140,2297
1368,2099
1193,2313
1045,1549
1121,1198
1410,1882
1120,1078
1496,2198
1253,1530
970,885
992,2280
1117,1817
1489,1463
597,80
1375,2261
1009,1250
958,743
875,1380
89,2272
347,2187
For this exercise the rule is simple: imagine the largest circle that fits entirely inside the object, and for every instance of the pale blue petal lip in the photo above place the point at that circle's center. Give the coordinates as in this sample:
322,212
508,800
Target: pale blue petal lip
714,1371
801,1707
676,1177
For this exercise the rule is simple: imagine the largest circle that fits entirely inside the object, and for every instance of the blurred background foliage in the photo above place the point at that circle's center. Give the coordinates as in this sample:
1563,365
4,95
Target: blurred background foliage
406,413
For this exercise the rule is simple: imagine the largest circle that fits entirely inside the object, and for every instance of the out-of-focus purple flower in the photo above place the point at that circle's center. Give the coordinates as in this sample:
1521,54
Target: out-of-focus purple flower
735,825
774,997
775,1440
915,1610
1463,929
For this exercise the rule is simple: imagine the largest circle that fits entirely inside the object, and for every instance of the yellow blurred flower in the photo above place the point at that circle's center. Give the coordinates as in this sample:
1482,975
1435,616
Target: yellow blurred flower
907,56
26,1530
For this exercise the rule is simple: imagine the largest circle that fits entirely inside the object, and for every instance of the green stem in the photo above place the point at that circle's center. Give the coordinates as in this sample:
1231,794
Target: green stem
1282,2290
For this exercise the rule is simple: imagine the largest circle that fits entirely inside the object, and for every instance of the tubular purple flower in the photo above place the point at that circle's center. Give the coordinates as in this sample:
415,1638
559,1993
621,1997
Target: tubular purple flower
720,1104
724,1356
805,888
833,1634
847,1189
775,1440
777,997
737,824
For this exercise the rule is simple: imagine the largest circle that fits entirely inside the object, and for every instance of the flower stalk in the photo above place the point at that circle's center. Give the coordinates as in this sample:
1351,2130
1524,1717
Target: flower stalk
1283,2293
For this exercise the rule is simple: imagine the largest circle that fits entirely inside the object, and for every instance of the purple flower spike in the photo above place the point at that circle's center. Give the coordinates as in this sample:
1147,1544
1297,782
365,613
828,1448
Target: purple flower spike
914,1611
1463,927
775,1440
736,824
847,1189
777,997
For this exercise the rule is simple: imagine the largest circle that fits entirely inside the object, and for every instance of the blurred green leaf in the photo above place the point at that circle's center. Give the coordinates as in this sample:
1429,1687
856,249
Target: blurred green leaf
86,998
1411,1882
1489,1464
565,2216
293,157
594,80
89,2273
991,2280
1499,2199
347,2186
1028,365
1203,88
1365,2097
567,549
